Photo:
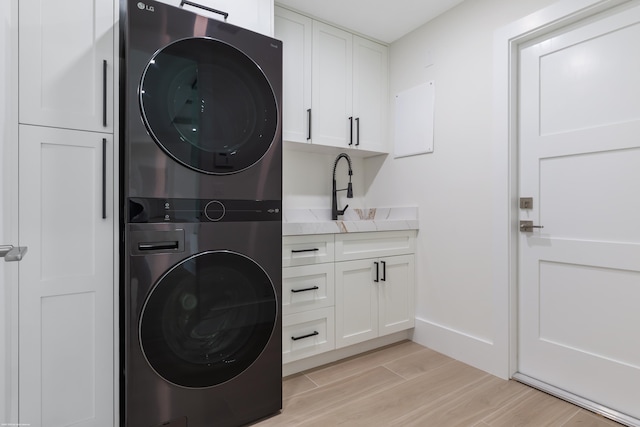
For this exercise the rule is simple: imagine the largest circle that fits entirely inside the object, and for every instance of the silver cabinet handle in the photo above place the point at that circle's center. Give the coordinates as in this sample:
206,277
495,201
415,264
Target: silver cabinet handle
12,253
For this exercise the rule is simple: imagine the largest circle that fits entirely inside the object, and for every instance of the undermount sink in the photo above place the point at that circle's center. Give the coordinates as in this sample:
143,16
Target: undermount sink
318,221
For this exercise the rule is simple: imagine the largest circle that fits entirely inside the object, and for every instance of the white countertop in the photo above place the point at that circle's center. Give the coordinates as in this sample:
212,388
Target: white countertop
318,221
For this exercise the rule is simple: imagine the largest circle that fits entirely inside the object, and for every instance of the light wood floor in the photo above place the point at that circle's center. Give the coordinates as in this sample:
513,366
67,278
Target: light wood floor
406,384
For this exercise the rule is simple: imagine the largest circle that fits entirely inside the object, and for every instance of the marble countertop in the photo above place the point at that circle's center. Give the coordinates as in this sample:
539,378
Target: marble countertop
318,221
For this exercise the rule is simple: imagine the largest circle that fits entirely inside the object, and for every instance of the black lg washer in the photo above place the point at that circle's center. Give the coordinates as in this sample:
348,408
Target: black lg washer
201,107
202,339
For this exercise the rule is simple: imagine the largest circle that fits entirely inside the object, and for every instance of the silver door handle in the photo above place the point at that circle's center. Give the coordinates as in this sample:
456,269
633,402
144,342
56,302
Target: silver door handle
12,253
527,226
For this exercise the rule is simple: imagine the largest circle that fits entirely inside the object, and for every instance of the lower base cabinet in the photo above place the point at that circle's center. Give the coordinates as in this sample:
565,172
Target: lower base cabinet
345,289
374,297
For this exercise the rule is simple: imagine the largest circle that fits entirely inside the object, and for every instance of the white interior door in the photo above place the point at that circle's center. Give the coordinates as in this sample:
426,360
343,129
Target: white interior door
579,276
66,280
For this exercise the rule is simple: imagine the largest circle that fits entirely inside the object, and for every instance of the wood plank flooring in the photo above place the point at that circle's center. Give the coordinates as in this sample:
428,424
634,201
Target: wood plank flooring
406,384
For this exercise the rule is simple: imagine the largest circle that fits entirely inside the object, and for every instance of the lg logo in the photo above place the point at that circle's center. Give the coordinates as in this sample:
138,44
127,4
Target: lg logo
143,6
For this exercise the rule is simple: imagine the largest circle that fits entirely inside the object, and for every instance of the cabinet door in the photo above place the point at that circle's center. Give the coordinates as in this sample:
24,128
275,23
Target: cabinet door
66,60
332,119
370,94
256,15
356,302
66,339
295,31
396,298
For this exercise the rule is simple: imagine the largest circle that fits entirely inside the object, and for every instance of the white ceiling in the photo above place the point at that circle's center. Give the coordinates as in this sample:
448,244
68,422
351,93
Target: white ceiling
382,20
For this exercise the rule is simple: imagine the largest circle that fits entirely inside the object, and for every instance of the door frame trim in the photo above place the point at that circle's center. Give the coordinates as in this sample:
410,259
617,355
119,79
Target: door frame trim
9,205
506,43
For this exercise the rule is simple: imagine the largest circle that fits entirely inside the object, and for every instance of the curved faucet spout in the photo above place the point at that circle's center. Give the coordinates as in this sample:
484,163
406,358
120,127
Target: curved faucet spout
334,193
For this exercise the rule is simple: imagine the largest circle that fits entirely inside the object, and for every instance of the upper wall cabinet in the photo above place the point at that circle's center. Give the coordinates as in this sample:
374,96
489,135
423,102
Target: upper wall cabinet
66,57
341,99
256,15
295,31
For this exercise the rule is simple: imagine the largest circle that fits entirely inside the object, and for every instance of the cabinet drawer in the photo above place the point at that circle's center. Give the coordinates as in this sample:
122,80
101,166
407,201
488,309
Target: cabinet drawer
353,246
307,287
307,334
304,250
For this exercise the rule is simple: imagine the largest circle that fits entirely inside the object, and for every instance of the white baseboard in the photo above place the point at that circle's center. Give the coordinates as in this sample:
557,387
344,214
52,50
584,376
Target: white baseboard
474,351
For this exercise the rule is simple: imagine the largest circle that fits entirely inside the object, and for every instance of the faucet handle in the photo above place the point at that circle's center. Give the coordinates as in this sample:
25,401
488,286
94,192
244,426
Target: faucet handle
343,210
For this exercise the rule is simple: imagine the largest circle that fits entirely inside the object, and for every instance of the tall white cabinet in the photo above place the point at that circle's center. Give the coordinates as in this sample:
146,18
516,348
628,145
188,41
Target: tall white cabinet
67,64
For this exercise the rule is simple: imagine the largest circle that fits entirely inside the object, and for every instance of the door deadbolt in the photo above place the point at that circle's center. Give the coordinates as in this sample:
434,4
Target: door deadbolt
526,202
527,226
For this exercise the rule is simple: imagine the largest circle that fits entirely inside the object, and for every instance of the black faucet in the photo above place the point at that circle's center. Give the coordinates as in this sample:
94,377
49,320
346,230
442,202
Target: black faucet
334,194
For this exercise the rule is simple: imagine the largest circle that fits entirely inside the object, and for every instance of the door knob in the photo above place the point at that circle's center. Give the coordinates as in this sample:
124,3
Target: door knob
12,253
527,226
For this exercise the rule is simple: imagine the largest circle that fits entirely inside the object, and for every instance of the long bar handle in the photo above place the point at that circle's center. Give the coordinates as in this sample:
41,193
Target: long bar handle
313,288
297,251
313,334
104,93
104,178
351,130
384,271
377,279
210,9
309,125
357,131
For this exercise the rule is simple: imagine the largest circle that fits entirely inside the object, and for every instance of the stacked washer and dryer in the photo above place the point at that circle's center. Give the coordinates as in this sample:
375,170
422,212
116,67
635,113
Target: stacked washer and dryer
202,226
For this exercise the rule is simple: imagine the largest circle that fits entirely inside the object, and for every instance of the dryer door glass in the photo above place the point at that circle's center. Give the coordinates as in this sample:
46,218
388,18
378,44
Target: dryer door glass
208,105
208,319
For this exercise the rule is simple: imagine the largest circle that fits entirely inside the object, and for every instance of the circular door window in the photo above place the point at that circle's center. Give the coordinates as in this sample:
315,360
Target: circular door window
208,319
208,105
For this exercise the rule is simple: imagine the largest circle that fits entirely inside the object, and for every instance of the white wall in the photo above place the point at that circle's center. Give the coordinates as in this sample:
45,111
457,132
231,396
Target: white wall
307,179
453,186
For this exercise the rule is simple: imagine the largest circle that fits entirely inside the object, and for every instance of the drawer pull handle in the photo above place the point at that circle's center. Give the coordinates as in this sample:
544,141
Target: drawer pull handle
313,334
297,251
295,291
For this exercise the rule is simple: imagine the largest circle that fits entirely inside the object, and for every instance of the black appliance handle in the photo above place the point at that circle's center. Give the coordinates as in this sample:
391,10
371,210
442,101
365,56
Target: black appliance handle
157,246
309,126
210,9
313,334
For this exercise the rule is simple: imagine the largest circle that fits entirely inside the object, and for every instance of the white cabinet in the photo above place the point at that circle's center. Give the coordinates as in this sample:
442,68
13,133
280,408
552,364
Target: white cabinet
67,96
349,90
66,61
295,32
344,289
66,313
255,15
335,86
307,296
374,285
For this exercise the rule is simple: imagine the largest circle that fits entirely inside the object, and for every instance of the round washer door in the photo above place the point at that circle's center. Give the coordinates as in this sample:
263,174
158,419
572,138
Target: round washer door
208,105
208,319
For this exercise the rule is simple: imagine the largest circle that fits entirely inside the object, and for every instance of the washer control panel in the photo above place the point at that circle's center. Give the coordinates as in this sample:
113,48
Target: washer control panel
151,210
